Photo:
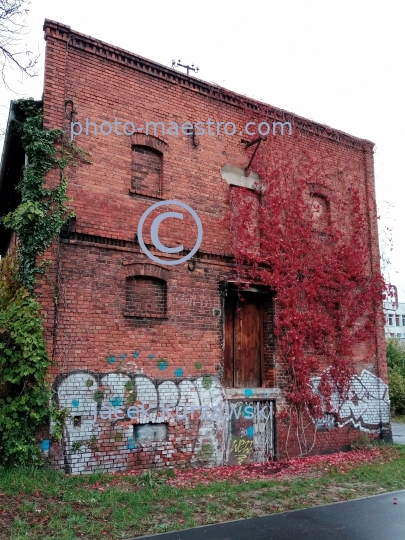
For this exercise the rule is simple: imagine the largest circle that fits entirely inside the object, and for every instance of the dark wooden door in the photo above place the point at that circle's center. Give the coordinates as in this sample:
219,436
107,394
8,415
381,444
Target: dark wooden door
243,341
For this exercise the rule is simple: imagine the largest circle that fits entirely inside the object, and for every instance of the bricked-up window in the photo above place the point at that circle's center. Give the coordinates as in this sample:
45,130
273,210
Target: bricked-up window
320,211
145,297
146,170
246,203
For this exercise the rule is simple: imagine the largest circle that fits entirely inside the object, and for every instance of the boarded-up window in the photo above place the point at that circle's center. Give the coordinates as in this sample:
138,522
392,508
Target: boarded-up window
148,433
245,347
146,170
145,297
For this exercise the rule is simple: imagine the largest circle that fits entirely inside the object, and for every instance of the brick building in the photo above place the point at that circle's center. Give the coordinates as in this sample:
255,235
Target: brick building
129,330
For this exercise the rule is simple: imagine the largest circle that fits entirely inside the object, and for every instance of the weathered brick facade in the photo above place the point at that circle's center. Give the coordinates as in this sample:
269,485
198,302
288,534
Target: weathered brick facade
128,330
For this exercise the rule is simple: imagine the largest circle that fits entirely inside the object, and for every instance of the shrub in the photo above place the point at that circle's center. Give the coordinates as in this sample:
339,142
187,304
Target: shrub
24,394
396,381
396,375
396,355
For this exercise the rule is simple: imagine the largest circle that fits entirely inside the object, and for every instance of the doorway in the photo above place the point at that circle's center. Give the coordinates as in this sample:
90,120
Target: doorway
244,339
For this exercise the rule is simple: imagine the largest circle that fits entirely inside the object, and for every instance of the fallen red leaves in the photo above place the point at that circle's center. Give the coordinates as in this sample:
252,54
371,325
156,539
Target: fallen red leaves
278,470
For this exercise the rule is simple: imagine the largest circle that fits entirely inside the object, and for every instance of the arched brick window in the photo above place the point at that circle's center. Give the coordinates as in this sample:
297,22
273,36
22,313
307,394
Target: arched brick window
146,174
147,165
318,198
145,296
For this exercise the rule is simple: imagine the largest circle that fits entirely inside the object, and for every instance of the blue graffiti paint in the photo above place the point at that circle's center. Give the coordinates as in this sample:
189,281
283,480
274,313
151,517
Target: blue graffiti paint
131,445
250,432
123,355
111,360
248,392
136,354
162,364
75,402
116,401
45,445
178,372
151,356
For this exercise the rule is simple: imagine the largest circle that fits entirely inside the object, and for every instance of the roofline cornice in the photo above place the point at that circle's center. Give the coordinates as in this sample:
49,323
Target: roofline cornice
88,44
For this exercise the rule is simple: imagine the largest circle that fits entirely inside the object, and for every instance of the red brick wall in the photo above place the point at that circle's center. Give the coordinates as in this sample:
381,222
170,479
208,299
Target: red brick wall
92,267
145,297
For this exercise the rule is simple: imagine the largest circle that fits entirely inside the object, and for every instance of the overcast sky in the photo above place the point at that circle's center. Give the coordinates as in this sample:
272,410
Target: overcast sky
340,63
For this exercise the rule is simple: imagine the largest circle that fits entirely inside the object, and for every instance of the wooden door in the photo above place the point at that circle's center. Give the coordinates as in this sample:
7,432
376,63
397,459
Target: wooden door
243,341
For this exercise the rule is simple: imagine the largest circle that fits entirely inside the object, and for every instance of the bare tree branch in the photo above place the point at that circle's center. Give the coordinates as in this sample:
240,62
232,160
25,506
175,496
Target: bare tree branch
12,52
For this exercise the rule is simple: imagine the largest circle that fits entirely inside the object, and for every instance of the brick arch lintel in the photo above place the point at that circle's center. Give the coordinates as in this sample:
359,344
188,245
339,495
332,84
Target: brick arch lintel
320,190
147,270
150,141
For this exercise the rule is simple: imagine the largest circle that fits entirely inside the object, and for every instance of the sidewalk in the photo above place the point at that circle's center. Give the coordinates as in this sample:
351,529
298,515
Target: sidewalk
398,433
374,518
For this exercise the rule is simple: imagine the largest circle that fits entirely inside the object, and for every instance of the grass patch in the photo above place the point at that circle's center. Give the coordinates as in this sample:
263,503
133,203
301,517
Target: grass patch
398,419
49,505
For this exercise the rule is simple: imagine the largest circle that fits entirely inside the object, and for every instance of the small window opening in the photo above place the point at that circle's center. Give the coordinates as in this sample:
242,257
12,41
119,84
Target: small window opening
145,433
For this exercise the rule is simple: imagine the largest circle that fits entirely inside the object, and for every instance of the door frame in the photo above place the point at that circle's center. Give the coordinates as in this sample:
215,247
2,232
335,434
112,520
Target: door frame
233,289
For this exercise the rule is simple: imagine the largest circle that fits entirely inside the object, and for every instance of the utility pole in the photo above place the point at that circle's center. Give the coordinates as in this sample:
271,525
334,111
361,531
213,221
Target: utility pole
192,68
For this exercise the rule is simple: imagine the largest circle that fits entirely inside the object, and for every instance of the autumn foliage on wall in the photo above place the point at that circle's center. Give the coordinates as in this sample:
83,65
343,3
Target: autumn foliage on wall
305,233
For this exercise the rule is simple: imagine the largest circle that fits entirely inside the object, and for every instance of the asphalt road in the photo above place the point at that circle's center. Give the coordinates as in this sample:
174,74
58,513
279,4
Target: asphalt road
374,518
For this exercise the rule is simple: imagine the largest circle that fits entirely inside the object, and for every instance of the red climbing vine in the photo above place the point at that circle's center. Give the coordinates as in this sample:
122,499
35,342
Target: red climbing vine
305,232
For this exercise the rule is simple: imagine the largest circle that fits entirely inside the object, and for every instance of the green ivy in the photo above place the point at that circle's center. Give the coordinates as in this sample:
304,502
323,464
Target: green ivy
25,396
59,417
43,210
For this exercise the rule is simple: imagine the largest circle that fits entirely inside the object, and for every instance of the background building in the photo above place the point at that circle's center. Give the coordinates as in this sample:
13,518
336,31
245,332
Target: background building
394,313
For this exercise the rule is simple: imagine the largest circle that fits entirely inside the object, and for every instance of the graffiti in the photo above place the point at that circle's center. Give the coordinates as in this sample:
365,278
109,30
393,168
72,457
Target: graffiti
250,436
242,449
135,420
107,397
367,407
326,422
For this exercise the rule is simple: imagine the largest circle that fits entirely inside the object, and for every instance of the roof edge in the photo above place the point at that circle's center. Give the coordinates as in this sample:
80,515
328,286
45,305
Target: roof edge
12,117
116,54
